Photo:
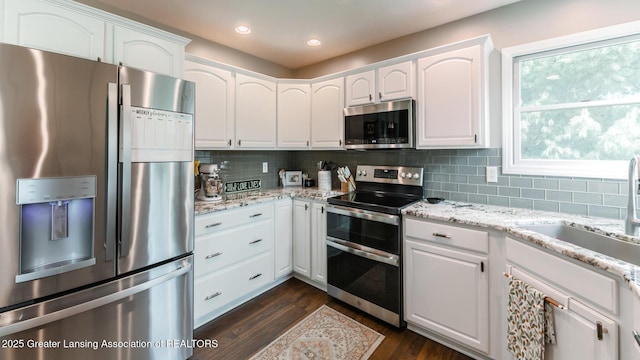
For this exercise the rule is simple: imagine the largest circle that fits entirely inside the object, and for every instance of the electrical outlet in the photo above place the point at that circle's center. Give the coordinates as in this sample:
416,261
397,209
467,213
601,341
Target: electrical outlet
265,167
492,174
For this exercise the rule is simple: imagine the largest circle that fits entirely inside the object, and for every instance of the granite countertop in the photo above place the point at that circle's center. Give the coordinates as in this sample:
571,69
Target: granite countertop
256,197
508,220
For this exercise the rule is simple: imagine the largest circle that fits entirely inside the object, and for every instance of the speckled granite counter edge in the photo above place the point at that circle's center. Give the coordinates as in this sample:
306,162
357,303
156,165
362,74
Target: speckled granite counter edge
508,220
239,200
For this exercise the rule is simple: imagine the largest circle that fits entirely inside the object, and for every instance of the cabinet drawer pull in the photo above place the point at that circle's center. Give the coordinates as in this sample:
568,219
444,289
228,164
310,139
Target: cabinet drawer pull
442,235
213,296
255,276
600,330
255,215
213,225
254,241
213,255
636,336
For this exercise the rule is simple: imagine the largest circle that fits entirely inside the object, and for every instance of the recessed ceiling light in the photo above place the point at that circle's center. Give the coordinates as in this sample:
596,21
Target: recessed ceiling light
314,42
243,29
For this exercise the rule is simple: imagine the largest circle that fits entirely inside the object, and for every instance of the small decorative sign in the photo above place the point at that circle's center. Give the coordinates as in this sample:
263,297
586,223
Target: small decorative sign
242,186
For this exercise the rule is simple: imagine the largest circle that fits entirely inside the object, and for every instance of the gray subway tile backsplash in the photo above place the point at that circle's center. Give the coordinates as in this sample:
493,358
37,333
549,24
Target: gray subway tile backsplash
457,175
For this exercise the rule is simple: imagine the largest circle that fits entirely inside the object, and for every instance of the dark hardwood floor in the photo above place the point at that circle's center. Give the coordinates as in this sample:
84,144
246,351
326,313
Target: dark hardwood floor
248,328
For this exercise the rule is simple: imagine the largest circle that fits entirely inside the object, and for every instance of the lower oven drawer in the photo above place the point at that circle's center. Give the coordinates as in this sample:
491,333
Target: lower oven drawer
376,282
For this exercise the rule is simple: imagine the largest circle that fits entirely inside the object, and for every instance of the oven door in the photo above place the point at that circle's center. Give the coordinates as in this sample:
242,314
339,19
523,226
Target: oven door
363,261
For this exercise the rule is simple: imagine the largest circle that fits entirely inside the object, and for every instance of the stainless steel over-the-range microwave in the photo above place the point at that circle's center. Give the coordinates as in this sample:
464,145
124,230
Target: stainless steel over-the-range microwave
387,125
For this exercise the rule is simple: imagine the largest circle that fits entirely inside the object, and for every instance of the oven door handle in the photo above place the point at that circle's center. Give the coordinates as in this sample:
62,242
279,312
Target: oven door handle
364,214
351,248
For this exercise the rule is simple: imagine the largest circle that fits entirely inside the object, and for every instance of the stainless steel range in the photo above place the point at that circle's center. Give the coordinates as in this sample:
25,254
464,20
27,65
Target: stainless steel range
364,240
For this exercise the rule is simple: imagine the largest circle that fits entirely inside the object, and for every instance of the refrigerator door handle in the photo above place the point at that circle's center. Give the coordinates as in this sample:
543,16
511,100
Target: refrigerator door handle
112,172
91,304
125,159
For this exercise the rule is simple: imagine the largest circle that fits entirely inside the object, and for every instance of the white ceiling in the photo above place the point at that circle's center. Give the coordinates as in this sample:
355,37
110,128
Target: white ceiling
281,28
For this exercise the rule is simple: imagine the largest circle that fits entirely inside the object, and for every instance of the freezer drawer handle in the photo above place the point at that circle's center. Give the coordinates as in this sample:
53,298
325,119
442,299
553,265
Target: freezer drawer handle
92,304
213,296
255,276
255,215
442,235
213,225
213,255
254,241
636,336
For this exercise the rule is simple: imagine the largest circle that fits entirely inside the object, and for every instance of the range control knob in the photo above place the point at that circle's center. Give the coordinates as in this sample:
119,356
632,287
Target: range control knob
359,172
403,175
364,173
416,176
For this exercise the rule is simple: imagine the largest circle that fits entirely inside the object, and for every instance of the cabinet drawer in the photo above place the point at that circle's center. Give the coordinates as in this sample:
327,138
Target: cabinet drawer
447,235
590,286
226,219
220,288
223,248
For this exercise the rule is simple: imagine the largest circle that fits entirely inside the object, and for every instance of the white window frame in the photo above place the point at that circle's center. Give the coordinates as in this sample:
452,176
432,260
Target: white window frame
511,161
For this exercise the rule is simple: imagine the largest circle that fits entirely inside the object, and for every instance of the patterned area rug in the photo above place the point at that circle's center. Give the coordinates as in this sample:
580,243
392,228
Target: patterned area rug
325,334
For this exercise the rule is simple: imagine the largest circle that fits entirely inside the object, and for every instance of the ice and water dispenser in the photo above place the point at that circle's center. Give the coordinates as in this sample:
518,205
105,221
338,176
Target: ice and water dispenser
56,225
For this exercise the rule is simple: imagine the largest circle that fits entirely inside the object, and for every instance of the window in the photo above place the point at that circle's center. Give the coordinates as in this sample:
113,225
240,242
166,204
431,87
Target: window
571,105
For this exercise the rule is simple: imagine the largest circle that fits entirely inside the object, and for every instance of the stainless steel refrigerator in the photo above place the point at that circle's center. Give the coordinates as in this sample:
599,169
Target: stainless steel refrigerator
96,210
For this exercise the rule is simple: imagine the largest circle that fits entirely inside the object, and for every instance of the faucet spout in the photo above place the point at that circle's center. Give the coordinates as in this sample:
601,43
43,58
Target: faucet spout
632,223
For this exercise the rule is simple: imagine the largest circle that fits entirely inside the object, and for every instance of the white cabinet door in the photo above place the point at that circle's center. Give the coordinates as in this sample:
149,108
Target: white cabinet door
450,101
302,238
361,88
447,291
283,246
318,243
577,335
294,115
327,114
214,105
396,81
61,29
255,112
140,50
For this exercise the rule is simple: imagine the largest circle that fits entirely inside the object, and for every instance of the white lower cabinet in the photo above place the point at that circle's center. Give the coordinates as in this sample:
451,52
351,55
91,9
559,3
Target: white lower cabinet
446,286
234,256
309,245
586,328
283,237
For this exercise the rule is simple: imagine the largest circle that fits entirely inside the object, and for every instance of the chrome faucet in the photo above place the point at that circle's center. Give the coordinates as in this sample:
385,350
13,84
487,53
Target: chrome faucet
632,223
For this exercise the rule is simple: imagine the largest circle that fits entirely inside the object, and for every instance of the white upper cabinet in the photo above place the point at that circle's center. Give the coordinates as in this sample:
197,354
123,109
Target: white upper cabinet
52,27
71,28
215,89
361,88
396,81
452,99
386,83
294,115
255,112
136,48
327,114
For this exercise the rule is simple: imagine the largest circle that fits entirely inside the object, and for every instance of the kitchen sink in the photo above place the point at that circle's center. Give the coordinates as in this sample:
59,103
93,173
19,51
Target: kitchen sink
622,250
